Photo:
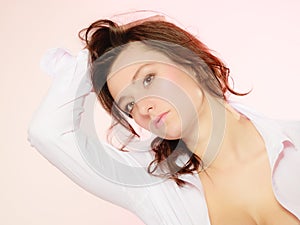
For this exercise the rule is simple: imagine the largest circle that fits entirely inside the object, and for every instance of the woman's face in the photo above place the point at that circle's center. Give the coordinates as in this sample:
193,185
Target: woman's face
159,95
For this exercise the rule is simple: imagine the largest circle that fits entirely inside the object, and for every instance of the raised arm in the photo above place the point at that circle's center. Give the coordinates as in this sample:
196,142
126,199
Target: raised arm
55,129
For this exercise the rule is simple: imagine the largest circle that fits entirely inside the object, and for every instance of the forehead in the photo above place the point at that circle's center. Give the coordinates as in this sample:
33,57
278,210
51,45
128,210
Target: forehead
133,56
121,79
136,53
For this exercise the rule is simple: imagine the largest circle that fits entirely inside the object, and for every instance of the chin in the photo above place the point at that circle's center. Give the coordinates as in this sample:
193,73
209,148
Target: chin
168,133
173,135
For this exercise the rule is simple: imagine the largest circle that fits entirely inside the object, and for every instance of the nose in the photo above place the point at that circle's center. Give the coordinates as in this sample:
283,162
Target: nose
145,106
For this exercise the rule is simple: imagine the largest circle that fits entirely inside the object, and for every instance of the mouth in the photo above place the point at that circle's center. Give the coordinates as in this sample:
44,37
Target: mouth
159,120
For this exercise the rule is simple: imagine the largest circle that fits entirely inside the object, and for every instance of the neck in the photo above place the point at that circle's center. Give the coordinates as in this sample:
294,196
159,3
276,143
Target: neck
206,133
221,135
241,143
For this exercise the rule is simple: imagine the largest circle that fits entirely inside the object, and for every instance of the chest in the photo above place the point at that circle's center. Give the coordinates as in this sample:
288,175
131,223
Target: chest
244,195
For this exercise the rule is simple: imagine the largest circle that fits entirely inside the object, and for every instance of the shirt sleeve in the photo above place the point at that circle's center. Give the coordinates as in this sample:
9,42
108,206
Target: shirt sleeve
55,129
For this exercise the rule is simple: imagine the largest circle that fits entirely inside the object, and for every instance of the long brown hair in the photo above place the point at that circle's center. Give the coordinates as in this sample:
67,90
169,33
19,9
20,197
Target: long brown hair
105,40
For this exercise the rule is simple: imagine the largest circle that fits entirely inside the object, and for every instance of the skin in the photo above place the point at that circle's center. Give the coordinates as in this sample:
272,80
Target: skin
238,189
151,99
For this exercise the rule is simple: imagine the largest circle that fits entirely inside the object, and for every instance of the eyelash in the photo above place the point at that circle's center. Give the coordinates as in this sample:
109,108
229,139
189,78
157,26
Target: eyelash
127,109
150,76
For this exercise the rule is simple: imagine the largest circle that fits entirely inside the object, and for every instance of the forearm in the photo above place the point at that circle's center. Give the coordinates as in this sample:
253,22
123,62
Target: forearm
60,110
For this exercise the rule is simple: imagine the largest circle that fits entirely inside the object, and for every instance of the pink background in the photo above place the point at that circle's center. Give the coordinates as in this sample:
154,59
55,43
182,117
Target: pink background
259,41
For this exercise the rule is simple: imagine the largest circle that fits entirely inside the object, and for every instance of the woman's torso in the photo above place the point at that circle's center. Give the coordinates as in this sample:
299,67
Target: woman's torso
245,196
243,193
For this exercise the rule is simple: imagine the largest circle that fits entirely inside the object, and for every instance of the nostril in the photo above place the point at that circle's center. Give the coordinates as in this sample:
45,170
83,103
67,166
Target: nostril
145,106
150,108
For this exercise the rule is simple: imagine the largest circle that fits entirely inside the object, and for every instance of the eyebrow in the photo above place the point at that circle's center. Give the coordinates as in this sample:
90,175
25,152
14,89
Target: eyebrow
138,71
133,79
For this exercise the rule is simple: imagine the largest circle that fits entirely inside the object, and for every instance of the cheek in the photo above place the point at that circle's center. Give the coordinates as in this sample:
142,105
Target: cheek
198,96
142,121
173,130
186,85
193,92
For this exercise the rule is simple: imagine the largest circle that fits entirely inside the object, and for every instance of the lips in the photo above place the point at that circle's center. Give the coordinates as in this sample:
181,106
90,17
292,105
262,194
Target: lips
159,120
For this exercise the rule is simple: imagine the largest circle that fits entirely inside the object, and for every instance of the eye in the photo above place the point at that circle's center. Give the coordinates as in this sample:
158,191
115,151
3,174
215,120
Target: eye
148,79
129,107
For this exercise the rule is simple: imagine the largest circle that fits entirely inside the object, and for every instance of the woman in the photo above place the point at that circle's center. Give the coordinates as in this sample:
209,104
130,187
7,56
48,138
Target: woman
211,162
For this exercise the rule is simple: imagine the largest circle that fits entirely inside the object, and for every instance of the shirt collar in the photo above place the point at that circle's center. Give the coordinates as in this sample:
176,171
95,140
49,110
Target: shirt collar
271,132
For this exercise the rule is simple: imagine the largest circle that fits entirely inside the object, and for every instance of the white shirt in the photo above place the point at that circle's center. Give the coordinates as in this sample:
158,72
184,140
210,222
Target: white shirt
56,131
